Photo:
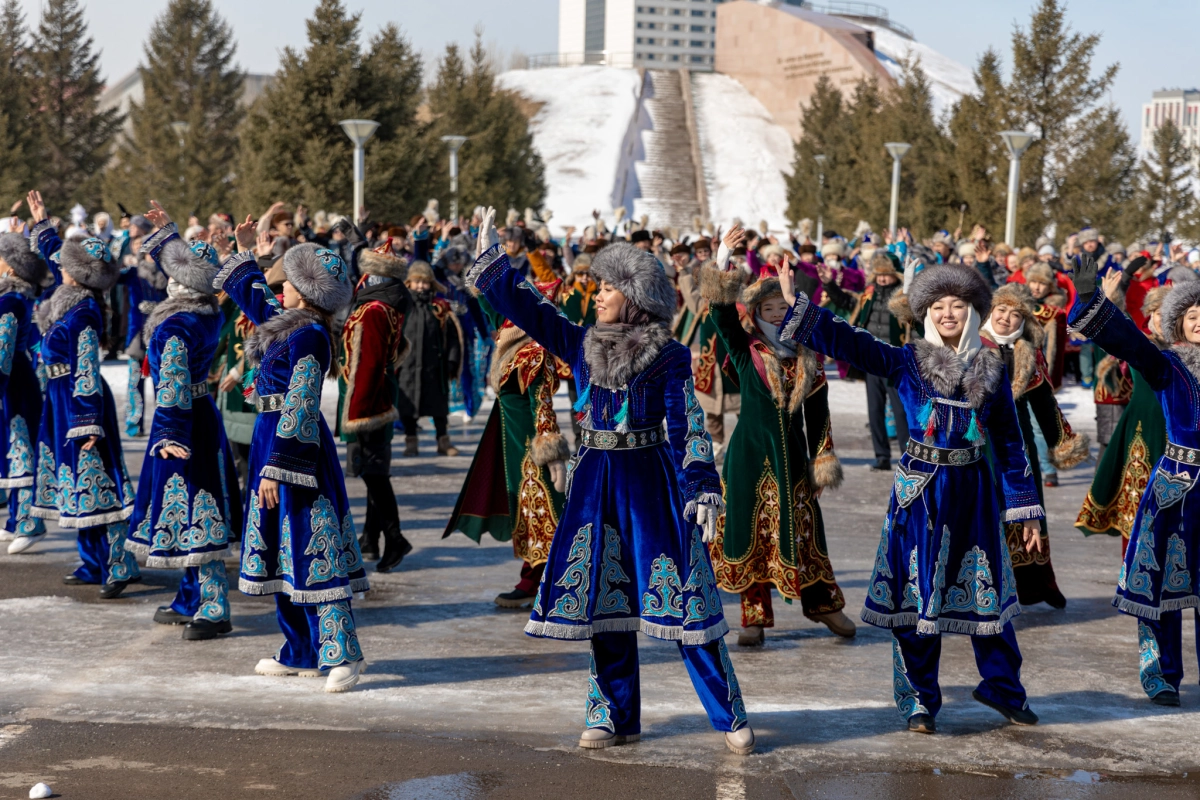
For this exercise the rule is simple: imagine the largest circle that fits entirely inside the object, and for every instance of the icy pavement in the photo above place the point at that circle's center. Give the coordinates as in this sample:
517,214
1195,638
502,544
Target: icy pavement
444,661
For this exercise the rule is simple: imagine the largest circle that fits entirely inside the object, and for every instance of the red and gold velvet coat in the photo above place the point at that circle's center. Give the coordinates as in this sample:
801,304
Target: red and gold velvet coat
373,345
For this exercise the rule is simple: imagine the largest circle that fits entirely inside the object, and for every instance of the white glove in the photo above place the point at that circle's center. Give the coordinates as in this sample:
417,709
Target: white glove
706,518
488,236
558,475
723,254
910,271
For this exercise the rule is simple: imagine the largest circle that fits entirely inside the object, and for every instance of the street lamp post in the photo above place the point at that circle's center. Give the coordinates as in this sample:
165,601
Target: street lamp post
360,131
181,131
454,143
820,159
897,151
1016,142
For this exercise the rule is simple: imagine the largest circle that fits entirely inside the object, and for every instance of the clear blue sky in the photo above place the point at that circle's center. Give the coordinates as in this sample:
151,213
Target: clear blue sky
1153,40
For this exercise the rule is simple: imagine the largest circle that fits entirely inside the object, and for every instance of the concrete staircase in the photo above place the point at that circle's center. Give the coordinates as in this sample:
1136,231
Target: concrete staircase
666,174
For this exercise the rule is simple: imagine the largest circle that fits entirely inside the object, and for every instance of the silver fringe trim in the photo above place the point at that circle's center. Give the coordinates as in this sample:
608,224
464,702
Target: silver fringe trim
231,263
489,257
305,596
941,624
158,237
154,448
35,232
704,498
16,483
360,584
85,430
1155,612
670,633
1087,318
788,332
81,522
174,562
287,476
1023,513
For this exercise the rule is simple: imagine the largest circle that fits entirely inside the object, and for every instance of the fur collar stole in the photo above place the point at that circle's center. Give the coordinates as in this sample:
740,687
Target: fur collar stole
770,370
11,283
277,329
1189,354
942,369
1024,355
176,305
617,353
509,342
148,271
63,300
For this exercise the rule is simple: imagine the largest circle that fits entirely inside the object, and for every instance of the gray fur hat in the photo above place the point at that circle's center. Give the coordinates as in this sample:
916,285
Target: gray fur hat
954,280
25,265
89,263
319,275
1182,297
193,266
637,275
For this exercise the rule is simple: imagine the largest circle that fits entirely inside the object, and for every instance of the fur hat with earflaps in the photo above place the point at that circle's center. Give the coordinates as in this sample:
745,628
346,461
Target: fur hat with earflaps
637,275
421,271
26,266
319,275
382,262
89,263
192,265
1175,306
833,248
949,280
1042,273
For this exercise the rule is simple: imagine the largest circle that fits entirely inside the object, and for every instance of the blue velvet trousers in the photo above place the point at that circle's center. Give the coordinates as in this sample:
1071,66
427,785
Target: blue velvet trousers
105,559
915,670
320,636
204,593
1160,651
614,699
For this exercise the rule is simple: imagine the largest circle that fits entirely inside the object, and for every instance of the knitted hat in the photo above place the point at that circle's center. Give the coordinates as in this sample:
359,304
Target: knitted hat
319,275
833,248
193,266
89,262
1088,235
14,250
1042,273
637,275
966,248
1176,304
382,262
949,280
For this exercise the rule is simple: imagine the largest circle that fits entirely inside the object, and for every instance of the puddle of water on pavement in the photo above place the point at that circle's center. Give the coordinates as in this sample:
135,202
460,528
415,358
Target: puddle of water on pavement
459,786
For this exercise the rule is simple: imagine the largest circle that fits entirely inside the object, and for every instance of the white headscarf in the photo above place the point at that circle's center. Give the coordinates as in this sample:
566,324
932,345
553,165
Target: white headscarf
783,349
968,344
1004,340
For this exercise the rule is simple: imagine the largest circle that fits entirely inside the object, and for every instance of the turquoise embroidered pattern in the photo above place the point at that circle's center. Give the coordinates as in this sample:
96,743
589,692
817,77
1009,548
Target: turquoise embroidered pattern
912,589
121,564
697,445
174,379
8,342
174,516
979,596
301,404
880,593
706,601
736,705
95,491
1149,662
87,364
1143,559
286,569
47,483
576,578
610,600
20,451
208,527
27,524
332,555
599,710
136,403
1178,578
252,560
268,296
664,597
338,637
214,592
939,576
350,552
908,702
65,498
1008,586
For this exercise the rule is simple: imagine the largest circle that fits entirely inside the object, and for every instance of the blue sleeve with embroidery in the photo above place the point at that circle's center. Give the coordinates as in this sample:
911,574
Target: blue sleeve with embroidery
1102,322
172,388
691,446
1012,462
45,242
297,442
516,299
155,242
87,390
243,281
819,329
11,312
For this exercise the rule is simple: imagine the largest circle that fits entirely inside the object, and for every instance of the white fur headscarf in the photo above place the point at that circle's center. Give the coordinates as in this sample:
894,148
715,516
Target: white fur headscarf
637,275
25,265
89,262
193,266
949,280
319,275
1181,297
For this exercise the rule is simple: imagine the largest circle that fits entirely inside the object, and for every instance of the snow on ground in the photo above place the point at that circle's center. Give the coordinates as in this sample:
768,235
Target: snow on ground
949,79
578,132
746,154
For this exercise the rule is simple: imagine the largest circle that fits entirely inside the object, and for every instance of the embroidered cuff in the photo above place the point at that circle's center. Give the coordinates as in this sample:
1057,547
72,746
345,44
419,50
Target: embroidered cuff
1024,513
287,476
230,267
487,268
85,430
161,443
152,245
35,234
1088,320
801,320
706,499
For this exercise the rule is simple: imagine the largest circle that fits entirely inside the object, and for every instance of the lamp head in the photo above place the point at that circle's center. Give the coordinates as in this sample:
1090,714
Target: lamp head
455,142
359,130
897,150
1017,142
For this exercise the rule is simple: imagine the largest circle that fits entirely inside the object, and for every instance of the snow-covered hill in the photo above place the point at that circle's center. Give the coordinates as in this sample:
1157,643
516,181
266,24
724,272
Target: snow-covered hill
950,80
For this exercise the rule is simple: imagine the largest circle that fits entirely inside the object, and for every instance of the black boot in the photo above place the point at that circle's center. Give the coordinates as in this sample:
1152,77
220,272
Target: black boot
368,545
201,629
395,548
882,465
165,615
111,591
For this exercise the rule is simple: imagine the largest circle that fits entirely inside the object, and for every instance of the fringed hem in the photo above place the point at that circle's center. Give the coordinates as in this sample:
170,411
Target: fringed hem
1128,606
360,584
302,596
231,264
481,265
158,238
287,476
704,498
928,627
55,515
802,321
1097,313
671,633
35,232
85,430
16,483
1024,513
174,562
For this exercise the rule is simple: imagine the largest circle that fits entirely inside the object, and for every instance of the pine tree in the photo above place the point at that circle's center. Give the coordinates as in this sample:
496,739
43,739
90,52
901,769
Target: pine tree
74,138
1165,190
16,134
979,158
188,77
1099,185
821,124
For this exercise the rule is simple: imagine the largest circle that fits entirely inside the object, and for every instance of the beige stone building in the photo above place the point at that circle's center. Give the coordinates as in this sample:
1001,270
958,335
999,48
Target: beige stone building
779,51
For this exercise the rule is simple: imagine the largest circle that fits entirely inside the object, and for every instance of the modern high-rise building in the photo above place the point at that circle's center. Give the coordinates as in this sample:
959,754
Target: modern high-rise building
1182,106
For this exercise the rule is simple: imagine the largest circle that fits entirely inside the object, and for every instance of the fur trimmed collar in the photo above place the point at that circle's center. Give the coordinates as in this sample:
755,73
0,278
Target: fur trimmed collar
148,271
1024,356
11,283
773,375
1189,354
278,328
509,342
941,367
176,305
63,300
617,353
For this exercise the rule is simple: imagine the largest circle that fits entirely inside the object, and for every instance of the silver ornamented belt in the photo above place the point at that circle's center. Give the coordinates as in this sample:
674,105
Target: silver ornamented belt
943,455
615,440
58,370
1184,455
199,389
271,402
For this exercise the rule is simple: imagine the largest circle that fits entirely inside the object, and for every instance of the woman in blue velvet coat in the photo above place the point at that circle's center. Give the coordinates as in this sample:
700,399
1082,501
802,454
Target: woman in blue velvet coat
187,499
299,541
21,276
81,477
628,554
943,564
1160,576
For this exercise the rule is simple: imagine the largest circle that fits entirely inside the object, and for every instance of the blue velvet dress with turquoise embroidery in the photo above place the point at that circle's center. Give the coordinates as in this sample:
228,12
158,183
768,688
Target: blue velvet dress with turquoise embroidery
942,562
306,546
1160,576
627,555
20,412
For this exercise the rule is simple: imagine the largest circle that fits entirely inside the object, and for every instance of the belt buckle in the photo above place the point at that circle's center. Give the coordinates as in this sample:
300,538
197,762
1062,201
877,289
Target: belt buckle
606,440
960,458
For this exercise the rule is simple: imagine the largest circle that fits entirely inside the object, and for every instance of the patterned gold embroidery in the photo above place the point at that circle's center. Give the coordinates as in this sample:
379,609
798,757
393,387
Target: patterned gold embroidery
535,522
705,371
1121,510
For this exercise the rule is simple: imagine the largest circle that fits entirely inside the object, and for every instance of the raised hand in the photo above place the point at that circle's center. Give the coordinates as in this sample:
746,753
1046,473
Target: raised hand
1085,276
736,235
489,237
37,208
158,215
787,283
245,233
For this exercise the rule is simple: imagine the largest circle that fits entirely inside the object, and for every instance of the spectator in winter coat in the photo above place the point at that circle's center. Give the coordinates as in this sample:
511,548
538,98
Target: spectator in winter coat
434,359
